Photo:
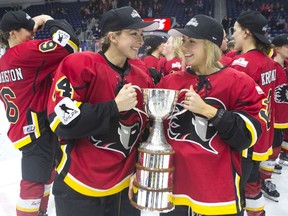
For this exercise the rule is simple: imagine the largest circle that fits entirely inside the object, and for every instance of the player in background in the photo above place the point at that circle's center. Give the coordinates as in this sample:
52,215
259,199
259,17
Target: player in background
153,50
225,60
250,31
153,53
173,56
26,72
94,108
209,137
280,44
281,48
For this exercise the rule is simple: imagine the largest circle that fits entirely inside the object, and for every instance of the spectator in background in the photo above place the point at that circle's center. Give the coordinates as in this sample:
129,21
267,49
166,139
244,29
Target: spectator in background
280,24
224,23
114,4
25,98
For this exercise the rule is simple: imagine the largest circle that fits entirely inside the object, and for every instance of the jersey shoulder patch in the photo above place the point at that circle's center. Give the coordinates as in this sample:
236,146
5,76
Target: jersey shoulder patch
61,37
66,110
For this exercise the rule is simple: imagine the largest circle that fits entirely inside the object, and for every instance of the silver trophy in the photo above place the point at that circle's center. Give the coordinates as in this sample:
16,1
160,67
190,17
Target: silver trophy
154,170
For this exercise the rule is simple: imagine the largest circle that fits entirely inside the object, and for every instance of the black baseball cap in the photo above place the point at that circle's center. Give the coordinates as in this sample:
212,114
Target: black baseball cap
124,18
154,41
256,23
201,27
15,20
280,40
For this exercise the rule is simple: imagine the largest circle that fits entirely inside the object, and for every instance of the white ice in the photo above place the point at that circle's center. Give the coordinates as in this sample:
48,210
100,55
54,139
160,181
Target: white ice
10,160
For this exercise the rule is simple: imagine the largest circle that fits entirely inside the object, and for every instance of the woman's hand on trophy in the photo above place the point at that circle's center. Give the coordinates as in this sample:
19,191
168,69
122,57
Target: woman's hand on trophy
194,103
130,191
126,99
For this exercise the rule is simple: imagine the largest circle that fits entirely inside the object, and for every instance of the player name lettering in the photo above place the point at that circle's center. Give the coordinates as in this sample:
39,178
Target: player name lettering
11,75
268,77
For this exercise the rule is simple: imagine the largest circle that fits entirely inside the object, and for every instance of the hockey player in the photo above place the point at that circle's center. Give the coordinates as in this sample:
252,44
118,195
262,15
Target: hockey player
173,57
219,123
250,39
102,127
281,118
26,72
281,47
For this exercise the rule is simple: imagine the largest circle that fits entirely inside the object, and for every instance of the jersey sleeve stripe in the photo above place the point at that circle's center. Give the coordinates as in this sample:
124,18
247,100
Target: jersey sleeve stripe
251,128
73,46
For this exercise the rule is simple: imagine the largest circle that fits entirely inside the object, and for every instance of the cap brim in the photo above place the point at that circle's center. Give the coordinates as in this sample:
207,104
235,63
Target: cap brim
180,32
262,38
146,26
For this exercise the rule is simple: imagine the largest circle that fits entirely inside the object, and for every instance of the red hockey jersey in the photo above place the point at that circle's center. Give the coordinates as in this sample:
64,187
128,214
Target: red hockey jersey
281,100
100,154
25,81
166,67
264,72
207,169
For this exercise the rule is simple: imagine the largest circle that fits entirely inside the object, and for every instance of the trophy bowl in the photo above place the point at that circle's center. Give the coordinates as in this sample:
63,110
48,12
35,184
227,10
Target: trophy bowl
160,102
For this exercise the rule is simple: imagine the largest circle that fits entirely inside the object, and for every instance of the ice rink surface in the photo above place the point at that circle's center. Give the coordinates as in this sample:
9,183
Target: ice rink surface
10,160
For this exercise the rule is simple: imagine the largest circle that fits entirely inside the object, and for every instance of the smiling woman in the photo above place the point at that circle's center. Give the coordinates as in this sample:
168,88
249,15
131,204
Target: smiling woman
107,127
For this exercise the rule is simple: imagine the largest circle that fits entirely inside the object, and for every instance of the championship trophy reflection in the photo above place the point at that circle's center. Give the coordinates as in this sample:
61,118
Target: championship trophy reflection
153,185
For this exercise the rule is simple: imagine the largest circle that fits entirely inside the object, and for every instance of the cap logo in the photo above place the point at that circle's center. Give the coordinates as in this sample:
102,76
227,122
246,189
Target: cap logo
27,16
193,22
265,28
135,14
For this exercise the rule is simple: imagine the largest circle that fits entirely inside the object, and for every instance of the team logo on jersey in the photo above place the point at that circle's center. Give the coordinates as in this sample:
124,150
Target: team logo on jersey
194,129
123,135
66,110
241,61
61,38
176,65
281,94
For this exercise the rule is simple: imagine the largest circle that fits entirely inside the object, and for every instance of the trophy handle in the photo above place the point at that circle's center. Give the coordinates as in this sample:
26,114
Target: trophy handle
182,111
135,108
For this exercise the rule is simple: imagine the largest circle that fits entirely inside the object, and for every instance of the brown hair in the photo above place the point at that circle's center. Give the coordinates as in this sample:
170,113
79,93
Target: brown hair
105,41
4,36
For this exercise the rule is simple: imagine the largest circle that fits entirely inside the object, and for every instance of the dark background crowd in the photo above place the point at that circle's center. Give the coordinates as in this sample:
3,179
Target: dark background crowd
84,16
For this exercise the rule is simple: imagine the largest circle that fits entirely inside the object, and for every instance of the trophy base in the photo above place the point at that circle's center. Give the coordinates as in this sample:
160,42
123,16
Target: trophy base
150,199
159,210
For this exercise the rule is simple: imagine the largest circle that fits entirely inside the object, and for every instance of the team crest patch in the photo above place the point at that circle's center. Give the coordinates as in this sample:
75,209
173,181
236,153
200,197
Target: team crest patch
241,61
29,129
66,110
61,38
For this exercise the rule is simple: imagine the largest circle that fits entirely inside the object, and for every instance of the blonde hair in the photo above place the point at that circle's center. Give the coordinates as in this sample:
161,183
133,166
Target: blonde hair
213,54
177,46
